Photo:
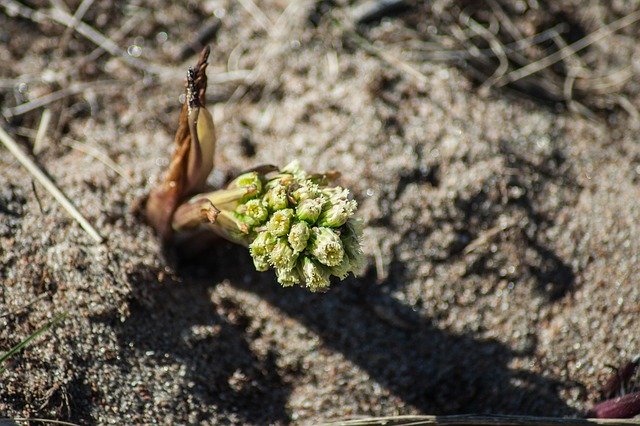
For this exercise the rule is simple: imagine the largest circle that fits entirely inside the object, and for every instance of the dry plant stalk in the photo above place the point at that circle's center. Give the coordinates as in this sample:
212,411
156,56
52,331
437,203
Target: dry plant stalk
193,158
296,223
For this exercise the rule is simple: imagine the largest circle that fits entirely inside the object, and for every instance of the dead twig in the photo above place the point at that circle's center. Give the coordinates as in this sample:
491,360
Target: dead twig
32,168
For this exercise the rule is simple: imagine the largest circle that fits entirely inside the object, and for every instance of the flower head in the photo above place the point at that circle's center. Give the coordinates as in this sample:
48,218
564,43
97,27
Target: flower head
293,223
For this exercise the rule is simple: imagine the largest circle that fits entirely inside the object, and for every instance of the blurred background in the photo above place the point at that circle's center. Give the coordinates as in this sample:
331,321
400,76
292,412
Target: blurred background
493,147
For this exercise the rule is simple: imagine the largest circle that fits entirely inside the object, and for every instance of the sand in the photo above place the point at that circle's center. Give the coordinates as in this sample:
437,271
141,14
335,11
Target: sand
502,232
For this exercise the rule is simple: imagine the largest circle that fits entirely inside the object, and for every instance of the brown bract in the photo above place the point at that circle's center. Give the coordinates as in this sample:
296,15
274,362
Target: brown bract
188,169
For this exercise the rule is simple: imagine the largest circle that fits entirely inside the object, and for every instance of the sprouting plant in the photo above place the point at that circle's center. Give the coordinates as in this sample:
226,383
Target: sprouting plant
17,348
296,223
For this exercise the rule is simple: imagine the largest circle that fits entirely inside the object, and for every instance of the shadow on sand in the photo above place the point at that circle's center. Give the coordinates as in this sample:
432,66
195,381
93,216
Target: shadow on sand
431,369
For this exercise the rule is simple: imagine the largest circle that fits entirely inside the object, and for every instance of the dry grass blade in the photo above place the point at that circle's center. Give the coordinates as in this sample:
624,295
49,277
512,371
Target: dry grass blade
77,17
45,120
28,420
101,40
257,14
385,56
633,112
496,47
62,17
477,420
29,164
98,155
569,50
510,49
73,89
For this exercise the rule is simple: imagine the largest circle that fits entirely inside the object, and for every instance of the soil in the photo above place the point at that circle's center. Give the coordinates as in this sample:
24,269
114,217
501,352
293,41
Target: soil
502,231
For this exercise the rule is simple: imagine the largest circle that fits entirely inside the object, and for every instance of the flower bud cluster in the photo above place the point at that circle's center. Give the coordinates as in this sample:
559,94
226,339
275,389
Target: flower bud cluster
297,225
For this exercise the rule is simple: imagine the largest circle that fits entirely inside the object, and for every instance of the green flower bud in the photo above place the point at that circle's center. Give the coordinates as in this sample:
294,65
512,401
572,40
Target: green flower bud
255,211
299,235
287,278
294,169
247,180
260,249
316,276
326,246
280,222
309,210
260,264
276,197
336,193
282,256
306,190
338,213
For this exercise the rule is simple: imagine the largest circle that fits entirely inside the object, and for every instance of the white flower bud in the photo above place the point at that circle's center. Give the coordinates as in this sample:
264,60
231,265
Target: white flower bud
299,235
326,246
255,211
316,276
295,169
342,270
287,278
261,264
338,213
282,255
280,222
276,197
246,179
306,190
260,249
309,210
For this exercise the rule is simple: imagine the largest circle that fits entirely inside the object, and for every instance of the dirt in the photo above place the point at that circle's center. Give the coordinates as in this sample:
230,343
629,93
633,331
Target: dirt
502,231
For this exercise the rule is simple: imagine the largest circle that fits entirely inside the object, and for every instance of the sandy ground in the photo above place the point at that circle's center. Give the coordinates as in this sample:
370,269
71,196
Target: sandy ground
503,232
